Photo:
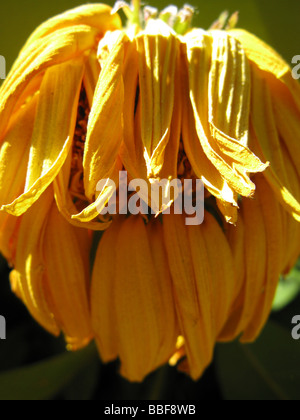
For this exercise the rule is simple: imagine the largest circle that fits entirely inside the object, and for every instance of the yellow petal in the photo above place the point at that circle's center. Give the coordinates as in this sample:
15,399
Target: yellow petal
236,240
52,134
14,153
169,166
56,48
266,143
93,211
65,203
8,236
140,299
287,119
132,302
105,126
255,258
97,16
158,48
262,305
229,210
223,151
103,307
169,331
13,167
229,86
67,271
223,276
268,60
229,102
29,278
202,166
131,151
192,284
91,76
292,225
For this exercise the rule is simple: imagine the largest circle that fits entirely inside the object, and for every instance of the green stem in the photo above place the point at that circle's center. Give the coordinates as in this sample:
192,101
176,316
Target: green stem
136,12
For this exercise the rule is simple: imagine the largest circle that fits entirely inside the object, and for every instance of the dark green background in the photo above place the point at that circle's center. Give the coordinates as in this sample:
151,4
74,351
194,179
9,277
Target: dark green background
34,365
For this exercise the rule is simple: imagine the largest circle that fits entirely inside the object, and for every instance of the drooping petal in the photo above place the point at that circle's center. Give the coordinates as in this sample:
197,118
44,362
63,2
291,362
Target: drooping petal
268,60
287,119
266,143
97,16
14,153
236,239
52,134
195,321
62,46
131,273
170,163
29,277
103,310
166,310
292,225
8,236
262,304
105,126
223,276
13,157
157,48
229,87
229,102
92,211
67,272
91,76
65,203
255,260
202,297
140,301
131,151
202,166
227,154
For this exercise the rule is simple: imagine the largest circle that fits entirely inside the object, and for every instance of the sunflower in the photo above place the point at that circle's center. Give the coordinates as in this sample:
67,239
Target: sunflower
87,99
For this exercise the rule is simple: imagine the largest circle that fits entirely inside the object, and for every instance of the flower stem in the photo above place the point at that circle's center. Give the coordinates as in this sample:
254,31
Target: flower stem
136,5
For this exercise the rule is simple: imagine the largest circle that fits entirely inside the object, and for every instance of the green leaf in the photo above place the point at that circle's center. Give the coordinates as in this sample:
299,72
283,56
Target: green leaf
45,380
266,370
288,289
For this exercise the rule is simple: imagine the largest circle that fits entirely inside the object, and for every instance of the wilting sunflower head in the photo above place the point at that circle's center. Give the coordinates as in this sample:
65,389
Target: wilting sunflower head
88,99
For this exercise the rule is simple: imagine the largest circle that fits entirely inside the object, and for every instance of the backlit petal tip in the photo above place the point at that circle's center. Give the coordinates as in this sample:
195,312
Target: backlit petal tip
97,16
